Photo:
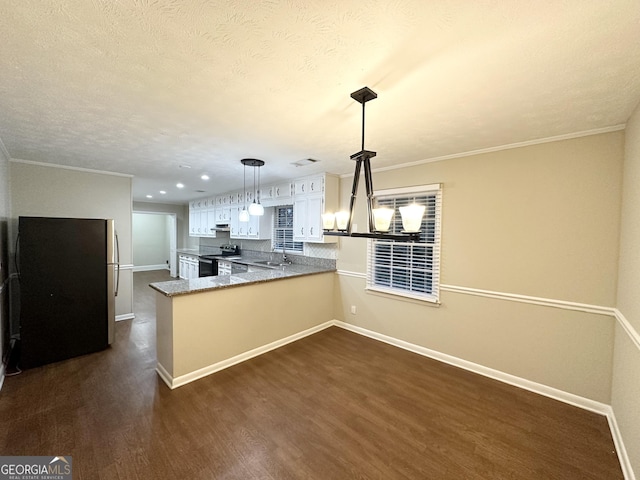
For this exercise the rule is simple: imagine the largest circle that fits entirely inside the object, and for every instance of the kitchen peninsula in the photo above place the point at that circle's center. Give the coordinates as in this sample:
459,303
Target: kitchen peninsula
206,324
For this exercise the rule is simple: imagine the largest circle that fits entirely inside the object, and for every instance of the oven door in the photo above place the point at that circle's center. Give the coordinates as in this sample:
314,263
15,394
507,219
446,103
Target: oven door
207,267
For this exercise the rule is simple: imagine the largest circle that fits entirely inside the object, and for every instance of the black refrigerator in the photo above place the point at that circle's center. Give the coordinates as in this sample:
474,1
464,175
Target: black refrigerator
68,270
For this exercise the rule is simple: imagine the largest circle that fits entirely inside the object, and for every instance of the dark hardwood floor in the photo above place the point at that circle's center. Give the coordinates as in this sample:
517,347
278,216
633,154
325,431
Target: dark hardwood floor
334,405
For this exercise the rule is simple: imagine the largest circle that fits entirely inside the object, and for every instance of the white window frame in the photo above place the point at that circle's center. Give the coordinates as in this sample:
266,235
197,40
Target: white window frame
290,245
429,246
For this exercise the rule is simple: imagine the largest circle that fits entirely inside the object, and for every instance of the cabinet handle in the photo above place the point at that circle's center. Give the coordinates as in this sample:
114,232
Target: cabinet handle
311,231
301,230
303,188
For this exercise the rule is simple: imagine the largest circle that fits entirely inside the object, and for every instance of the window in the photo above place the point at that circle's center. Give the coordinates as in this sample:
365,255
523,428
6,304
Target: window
410,269
283,230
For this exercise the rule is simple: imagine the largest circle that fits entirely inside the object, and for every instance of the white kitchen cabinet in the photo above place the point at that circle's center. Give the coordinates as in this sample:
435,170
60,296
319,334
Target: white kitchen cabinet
277,194
309,185
257,228
223,215
312,197
202,218
188,267
224,267
307,219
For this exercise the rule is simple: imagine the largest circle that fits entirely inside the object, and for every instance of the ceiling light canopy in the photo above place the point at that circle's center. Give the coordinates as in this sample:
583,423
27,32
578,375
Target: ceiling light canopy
339,224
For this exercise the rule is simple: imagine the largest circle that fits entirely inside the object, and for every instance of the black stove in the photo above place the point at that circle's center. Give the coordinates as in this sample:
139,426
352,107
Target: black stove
207,264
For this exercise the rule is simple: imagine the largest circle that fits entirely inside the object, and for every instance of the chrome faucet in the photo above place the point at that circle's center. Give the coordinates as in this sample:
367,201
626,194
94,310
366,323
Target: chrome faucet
285,259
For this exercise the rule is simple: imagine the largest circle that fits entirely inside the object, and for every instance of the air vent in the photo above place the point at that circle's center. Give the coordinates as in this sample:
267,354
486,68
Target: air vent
304,162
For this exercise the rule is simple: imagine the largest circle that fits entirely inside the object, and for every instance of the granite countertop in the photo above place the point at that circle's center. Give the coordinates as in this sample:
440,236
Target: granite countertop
188,251
173,288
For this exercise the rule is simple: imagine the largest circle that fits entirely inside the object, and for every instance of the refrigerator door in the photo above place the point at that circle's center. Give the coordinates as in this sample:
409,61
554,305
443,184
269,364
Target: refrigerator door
63,288
113,277
111,303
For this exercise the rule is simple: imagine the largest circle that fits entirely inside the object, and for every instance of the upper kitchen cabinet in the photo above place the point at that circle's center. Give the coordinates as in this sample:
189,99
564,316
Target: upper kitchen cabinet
202,218
313,196
277,194
257,228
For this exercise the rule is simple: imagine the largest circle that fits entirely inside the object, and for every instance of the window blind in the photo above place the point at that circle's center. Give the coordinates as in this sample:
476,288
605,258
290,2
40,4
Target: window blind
410,269
283,230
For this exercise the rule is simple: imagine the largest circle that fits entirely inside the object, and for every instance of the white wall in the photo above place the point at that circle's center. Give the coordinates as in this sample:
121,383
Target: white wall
626,365
182,219
150,240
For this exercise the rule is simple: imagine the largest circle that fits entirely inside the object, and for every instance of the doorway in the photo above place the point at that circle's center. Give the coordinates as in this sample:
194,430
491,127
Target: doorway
154,241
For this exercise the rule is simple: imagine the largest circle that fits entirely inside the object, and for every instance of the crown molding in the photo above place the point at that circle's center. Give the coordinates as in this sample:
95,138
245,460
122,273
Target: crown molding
509,146
67,167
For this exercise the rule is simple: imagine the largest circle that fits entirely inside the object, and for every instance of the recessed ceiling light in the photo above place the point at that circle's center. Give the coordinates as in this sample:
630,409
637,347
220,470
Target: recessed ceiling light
204,176
180,185
149,196
162,192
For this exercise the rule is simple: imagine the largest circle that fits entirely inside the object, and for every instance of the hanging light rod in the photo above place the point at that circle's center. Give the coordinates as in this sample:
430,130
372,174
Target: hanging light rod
256,208
339,224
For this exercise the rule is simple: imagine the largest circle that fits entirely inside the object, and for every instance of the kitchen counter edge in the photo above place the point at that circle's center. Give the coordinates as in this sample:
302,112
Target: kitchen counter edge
175,288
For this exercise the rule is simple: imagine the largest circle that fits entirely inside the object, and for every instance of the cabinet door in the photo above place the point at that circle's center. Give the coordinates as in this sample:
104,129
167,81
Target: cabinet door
315,185
203,226
299,215
300,188
182,267
194,222
253,227
313,222
211,221
282,191
234,222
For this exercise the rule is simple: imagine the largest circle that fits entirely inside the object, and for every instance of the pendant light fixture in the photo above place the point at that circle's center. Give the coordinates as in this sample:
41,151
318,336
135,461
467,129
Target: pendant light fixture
339,224
244,213
256,208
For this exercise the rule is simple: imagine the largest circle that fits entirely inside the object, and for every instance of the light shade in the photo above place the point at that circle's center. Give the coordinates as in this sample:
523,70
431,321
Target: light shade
244,215
256,209
342,219
328,221
382,218
412,217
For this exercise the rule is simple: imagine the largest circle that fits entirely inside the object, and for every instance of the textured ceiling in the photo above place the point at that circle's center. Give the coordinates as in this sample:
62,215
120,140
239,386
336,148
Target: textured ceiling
142,86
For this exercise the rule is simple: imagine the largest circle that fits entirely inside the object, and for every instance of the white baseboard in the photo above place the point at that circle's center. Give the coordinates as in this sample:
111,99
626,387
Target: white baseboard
216,367
164,375
621,450
541,389
535,387
148,268
125,316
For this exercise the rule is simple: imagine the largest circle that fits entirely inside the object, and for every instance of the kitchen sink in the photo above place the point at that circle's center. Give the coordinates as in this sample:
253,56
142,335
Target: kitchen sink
269,263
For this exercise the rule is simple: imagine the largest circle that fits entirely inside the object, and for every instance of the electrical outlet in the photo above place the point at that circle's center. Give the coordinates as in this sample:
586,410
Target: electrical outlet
353,309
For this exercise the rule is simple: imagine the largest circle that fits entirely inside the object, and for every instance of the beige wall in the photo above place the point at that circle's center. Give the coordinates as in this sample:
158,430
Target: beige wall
199,330
626,366
39,190
541,221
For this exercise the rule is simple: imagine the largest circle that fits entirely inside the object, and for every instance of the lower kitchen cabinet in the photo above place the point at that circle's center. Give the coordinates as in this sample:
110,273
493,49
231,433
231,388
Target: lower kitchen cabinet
187,267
